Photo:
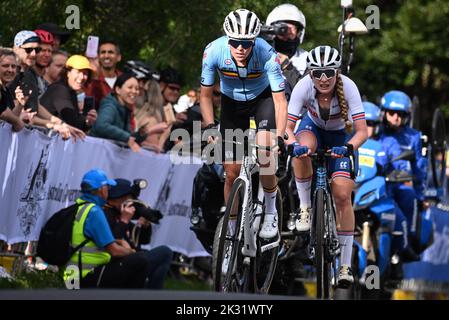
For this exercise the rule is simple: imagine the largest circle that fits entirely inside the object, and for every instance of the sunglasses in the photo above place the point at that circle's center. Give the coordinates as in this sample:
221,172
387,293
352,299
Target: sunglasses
401,114
328,73
29,50
246,44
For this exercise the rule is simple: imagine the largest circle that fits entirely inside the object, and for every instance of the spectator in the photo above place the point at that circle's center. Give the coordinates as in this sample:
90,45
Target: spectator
8,72
61,97
26,46
114,116
159,258
11,108
170,83
54,70
150,118
109,57
60,35
126,269
43,59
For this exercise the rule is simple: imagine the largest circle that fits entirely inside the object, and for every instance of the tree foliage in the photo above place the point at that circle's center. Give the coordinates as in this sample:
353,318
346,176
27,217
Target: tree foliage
409,52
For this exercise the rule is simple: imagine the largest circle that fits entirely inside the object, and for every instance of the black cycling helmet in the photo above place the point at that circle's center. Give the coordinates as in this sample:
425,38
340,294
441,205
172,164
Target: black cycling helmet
141,70
170,75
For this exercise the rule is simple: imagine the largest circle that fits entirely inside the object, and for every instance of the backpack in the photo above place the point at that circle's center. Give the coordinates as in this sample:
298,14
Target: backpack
55,240
207,199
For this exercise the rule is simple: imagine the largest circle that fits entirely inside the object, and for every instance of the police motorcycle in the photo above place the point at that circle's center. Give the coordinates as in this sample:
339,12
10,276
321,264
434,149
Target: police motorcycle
375,218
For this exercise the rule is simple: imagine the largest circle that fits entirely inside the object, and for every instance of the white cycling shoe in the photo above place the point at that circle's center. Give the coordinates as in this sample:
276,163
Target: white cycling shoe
269,227
304,221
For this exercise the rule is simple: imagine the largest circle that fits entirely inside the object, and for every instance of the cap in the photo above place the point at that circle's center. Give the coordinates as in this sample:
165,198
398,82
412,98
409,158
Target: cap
78,62
45,36
54,29
95,179
26,36
170,75
121,189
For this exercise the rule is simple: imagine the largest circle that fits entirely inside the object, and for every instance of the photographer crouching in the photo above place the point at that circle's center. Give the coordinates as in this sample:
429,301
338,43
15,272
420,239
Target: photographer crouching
122,207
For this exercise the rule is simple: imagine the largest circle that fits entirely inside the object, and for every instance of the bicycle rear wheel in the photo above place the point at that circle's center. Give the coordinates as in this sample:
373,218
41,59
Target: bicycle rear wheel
323,267
229,272
264,265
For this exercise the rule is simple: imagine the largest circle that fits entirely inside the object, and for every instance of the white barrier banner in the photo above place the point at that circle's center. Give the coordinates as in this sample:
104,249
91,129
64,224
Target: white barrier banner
40,175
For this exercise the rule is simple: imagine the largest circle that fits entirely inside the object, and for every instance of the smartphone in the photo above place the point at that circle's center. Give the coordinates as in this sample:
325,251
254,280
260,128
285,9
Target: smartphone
25,87
169,114
89,104
92,46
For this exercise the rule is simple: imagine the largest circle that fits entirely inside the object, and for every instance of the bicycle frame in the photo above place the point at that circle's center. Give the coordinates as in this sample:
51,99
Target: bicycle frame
251,213
322,183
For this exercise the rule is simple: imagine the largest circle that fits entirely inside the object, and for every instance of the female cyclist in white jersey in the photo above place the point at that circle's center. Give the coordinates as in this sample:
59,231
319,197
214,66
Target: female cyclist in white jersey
335,120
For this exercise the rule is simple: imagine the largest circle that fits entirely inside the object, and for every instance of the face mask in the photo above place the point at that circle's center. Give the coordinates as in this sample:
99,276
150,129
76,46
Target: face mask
286,47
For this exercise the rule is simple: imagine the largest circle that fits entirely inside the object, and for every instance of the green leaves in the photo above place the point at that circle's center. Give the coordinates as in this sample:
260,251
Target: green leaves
409,52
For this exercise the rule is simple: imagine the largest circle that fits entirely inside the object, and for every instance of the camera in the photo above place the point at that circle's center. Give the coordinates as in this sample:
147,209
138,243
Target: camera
270,32
143,210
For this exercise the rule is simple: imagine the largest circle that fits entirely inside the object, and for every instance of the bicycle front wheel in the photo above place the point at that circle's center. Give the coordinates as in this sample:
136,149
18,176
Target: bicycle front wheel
265,262
323,267
229,272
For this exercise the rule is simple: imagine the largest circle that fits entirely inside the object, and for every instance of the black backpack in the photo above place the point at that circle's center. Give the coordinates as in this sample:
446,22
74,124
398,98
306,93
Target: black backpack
55,240
207,199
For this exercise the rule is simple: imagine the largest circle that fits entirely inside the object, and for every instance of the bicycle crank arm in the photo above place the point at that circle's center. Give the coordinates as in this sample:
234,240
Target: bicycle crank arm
270,245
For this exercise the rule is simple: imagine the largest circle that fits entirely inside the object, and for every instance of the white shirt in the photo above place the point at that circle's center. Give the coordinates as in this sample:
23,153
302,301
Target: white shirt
304,98
110,81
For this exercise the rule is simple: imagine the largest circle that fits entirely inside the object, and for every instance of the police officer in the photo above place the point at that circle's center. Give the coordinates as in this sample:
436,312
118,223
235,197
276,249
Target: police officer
397,107
292,57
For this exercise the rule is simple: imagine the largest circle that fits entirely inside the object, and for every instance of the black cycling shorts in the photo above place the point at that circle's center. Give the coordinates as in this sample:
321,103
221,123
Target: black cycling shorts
236,115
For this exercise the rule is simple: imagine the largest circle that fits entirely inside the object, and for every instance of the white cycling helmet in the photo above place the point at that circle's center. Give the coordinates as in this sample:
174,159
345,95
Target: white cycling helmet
288,13
323,57
242,24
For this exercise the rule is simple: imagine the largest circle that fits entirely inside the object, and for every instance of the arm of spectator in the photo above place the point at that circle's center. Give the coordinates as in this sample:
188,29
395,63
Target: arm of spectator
157,129
27,116
19,102
133,145
117,250
163,137
15,121
44,117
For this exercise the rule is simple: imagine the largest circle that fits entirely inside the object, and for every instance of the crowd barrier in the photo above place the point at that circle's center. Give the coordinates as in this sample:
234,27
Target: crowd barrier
41,173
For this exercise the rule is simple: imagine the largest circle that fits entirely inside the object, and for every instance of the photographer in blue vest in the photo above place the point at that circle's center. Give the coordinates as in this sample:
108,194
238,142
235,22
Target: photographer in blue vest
104,261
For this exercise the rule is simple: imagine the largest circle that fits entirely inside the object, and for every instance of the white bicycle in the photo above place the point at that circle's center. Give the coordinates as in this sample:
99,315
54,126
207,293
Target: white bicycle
242,261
